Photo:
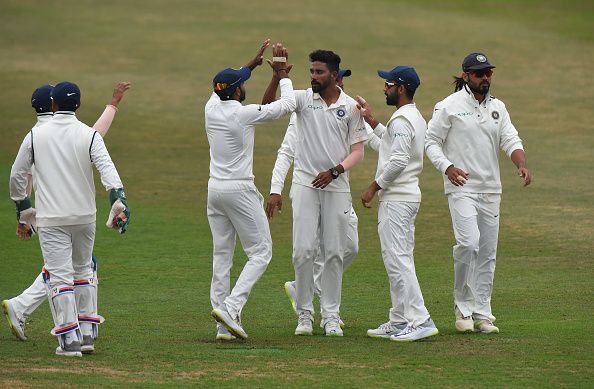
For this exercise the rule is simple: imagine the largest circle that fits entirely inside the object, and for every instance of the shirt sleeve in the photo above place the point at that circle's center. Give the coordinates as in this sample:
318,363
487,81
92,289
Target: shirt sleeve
102,161
254,113
104,122
379,130
402,134
509,139
437,132
373,141
284,158
20,170
357,130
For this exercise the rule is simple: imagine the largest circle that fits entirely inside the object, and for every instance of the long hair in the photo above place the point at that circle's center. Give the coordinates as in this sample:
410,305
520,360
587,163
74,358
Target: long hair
458,83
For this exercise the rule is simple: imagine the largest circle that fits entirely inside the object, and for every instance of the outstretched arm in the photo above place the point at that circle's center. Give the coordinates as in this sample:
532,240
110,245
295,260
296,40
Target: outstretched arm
104,122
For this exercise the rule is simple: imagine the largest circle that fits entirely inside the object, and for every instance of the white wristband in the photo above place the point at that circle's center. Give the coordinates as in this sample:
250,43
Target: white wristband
279,59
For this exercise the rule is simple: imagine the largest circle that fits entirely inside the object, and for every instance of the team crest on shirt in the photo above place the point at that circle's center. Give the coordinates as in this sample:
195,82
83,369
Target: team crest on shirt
495,115
340,112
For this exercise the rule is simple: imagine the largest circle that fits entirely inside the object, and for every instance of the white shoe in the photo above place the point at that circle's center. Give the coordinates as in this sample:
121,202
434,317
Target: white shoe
463,323
485,326
233,325
340,323
332,327
17,326
223,334
304,324
422,331
386,330
291,293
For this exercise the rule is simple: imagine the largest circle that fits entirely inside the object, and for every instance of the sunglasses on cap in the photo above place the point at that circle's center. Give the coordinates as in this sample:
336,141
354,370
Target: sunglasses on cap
482,73
389,84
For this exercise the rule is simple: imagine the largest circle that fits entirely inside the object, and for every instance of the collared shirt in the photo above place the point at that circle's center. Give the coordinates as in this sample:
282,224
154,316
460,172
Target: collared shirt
230,131
63,150
468,135
324,136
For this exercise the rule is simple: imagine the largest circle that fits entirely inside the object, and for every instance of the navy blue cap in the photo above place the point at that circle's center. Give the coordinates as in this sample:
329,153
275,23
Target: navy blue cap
228,79
41,98
343,73
476,61
402,75
66,94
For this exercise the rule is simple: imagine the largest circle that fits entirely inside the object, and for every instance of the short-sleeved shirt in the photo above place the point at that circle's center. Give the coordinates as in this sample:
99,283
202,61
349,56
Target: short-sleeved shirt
324,137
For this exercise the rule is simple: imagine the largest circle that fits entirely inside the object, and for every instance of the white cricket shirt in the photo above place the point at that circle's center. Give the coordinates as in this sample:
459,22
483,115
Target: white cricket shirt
230,132
324,137
468,135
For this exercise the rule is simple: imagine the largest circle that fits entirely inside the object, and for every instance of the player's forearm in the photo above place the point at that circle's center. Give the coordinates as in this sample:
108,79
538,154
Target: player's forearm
104,122
279,173
392,170
270,92
20,171
518,157
356,156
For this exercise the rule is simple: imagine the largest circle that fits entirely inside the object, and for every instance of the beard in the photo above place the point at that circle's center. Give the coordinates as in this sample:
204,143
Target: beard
392,99
482,88
242,96
317,87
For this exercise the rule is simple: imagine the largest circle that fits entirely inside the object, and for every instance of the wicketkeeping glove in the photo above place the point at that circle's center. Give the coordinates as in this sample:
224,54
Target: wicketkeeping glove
119,205
26,215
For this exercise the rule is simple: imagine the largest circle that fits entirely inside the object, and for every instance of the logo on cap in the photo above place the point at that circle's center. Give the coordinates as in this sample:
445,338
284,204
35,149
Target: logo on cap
481,58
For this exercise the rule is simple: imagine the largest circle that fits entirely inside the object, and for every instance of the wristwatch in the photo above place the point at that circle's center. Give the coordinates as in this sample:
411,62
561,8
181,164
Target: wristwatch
335,173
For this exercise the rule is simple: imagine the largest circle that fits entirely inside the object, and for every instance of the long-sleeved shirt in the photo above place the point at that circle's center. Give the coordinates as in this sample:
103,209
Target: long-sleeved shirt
230,131
468,135
286,154
324,137
400,158
63,151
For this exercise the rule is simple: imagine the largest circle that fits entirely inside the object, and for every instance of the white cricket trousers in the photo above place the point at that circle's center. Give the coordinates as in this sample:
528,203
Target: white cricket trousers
67,254
475,218
396,229
25,303
320,218
232,213
350,252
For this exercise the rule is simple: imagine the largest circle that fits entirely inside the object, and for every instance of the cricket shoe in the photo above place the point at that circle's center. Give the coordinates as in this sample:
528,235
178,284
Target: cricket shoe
422,331
386,330
485,326
463,323
291,293
17,325
70,350
88,344
233,325
223,334
304,324
340,323
332,327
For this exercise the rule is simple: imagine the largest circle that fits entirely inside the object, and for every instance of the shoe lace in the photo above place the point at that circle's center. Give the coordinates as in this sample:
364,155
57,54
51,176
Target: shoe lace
304,318
387,327
332,325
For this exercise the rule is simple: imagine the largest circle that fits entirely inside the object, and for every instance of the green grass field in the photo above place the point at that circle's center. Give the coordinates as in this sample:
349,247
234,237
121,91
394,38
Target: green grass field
155,279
